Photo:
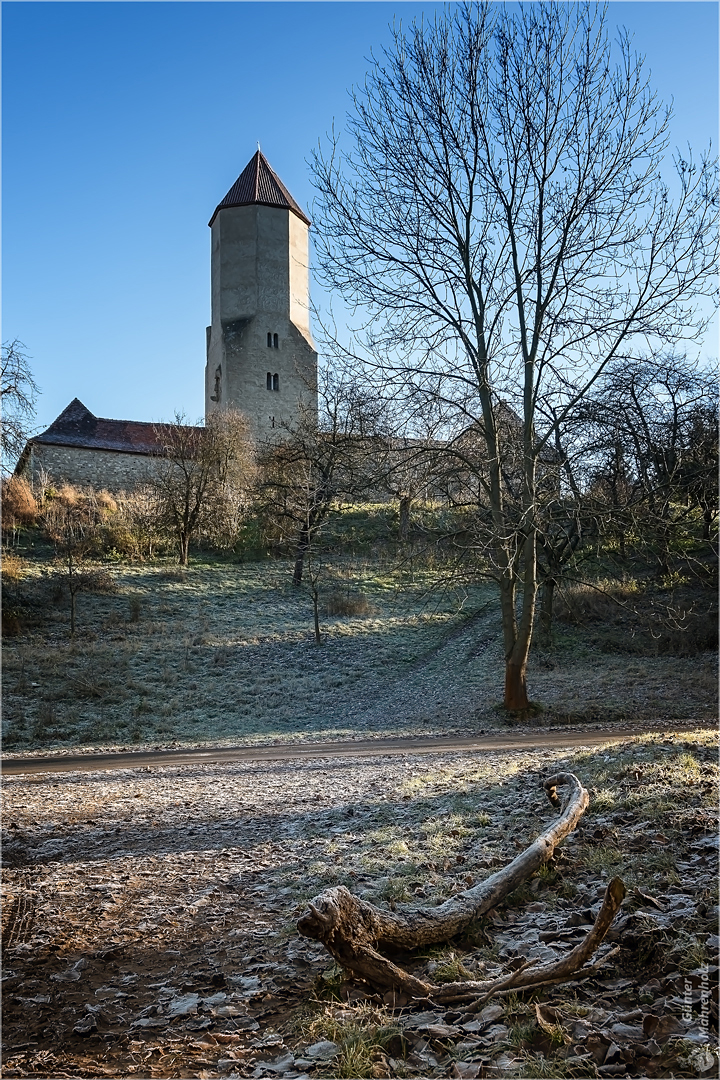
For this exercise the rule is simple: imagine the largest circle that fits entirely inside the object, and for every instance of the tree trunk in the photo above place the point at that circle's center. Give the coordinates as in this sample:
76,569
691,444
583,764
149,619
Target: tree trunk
708,516
354,931
300,553
546,612
316,615
184,549
517,634
516,698
72,590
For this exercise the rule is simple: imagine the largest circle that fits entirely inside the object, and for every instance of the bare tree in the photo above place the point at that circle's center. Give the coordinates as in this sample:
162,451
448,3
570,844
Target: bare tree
18,394
71,519
651,432
203,476
503,220
319,463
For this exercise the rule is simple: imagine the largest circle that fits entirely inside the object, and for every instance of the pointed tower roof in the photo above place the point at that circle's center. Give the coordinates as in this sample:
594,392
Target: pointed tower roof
257,184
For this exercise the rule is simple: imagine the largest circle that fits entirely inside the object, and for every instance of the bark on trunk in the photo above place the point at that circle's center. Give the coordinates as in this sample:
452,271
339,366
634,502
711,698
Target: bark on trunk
316,616
300,553
184,549
354,931
516,698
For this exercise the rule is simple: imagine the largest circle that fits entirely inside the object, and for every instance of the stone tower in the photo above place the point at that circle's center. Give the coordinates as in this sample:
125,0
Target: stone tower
261,358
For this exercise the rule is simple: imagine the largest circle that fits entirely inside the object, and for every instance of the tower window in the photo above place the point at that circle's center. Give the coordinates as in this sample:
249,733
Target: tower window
269,380
276,382
275,340
269,341
218,385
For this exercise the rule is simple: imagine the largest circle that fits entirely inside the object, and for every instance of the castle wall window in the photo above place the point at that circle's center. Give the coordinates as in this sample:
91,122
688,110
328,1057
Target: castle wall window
269,341
269,380
276,382
275,340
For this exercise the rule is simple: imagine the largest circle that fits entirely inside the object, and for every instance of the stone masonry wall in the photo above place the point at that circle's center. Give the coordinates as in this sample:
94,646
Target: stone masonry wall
108,469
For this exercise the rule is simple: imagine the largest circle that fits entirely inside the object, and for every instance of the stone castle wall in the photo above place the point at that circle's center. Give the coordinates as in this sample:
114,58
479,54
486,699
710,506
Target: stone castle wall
110,469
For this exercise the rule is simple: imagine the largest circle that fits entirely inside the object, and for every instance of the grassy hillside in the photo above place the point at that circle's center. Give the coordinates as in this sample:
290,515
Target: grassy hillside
225,653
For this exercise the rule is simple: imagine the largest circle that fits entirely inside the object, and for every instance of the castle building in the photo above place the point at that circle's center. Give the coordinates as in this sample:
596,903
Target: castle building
261,358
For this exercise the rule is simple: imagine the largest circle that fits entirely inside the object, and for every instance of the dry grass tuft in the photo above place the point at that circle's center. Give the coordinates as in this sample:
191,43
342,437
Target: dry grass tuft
347,604
19,506
13,568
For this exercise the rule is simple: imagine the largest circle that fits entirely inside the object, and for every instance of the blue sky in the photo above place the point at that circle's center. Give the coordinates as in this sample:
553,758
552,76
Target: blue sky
124,125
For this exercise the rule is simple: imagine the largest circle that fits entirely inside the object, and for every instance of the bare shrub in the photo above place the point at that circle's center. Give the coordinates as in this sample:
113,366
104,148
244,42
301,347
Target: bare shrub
346,604
172,575
97,581
604,602
11,623
203,478
698,635
70,496
13,568
19,506
642,621
106,502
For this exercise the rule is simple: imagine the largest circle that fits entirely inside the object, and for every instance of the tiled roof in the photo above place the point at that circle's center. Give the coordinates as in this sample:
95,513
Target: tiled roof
77,426
258,184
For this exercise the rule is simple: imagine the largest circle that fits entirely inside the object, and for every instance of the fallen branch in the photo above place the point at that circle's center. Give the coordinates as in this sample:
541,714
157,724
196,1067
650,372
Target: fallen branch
354,931
531,977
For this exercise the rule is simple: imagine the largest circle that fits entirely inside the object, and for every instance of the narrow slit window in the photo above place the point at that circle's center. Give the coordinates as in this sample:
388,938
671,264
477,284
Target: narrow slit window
269,341
269,380
275,340
276,382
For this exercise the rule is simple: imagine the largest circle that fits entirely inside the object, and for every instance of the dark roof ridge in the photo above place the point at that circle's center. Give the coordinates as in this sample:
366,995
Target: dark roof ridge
77,426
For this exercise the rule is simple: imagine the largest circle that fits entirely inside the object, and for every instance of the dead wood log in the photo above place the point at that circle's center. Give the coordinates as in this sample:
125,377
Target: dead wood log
354,931
529,975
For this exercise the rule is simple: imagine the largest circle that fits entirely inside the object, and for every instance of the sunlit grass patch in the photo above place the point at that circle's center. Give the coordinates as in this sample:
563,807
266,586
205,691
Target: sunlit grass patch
362,1034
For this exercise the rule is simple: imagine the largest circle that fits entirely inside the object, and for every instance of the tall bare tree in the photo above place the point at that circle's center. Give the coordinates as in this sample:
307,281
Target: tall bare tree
502,217
18,394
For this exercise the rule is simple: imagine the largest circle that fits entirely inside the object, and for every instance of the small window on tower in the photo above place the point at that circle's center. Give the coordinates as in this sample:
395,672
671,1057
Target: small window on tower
269,380
218,385
269,341
276,382
275,340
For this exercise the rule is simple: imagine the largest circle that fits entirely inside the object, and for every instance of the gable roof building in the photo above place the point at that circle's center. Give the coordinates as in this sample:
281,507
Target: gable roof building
87,449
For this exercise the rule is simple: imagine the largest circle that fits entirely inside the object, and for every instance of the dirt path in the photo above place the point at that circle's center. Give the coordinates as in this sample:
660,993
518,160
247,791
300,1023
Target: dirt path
344,748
